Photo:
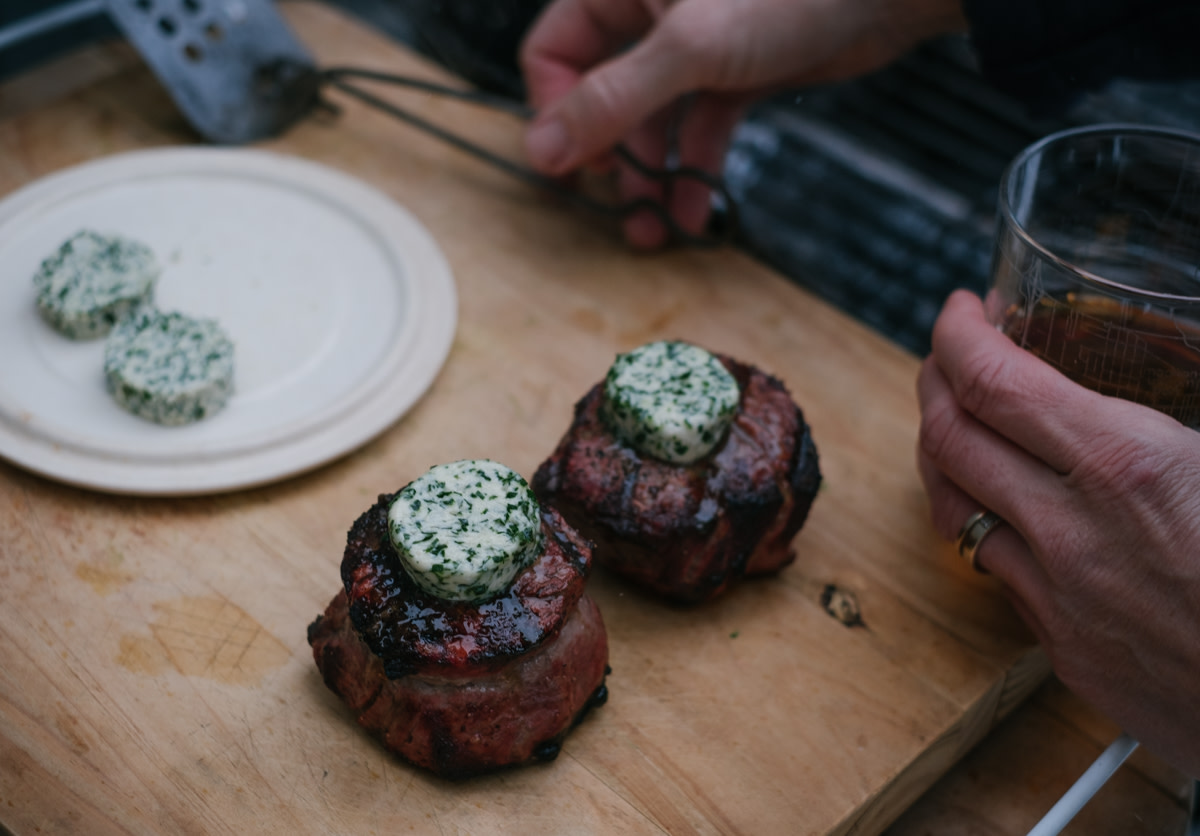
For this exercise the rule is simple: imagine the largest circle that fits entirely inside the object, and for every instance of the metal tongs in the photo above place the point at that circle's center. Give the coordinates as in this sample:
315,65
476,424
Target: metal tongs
238,74
342,78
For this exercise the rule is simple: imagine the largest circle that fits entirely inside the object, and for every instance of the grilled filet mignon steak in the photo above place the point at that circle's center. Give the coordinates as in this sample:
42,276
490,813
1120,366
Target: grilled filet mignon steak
687,532
460,687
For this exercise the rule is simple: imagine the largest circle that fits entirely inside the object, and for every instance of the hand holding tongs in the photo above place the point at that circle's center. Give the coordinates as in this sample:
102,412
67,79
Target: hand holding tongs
340,78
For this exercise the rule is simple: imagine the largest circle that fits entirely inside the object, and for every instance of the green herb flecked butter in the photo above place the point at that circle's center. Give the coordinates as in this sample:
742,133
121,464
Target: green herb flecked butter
169,368
670,400
92,281
464,530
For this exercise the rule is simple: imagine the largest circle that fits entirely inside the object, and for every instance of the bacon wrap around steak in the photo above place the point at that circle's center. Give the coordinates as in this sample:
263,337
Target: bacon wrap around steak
457,687
689,531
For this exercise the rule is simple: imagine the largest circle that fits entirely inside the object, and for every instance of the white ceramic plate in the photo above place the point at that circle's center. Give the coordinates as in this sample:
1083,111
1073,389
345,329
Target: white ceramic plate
341,306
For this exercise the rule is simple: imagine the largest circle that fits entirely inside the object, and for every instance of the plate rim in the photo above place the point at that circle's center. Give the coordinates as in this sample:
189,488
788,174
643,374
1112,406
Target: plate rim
340,432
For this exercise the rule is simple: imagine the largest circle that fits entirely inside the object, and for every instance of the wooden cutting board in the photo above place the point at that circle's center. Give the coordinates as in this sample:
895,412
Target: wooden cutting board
154,673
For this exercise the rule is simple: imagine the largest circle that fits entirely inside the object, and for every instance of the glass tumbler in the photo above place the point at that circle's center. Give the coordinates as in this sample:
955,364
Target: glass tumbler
1096,266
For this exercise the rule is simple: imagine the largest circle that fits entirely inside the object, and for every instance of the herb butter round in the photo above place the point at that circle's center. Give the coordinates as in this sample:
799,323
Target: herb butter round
464,530
167,367
92,281
670,400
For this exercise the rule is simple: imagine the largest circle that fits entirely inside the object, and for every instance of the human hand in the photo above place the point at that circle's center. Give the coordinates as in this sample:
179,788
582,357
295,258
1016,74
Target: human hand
1101,551
591,93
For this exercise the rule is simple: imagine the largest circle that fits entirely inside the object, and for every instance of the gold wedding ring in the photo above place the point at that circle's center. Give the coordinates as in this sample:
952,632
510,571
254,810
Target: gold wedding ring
972,534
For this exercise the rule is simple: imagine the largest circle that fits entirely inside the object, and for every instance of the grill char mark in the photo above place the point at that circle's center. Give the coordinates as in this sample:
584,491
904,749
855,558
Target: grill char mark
458,727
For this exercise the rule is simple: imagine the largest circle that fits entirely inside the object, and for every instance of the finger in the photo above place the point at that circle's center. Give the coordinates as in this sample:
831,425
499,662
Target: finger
992,470
1001,554
644,230
703,133
704,138
572,36
1012,391
609,101
1004,553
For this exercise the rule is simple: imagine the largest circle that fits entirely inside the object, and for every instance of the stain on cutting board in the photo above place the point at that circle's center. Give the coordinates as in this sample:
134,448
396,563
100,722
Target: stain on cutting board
207,637
105,574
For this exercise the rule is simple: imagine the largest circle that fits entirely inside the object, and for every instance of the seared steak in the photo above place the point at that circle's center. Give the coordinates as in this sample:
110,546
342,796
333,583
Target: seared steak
456,687
688,531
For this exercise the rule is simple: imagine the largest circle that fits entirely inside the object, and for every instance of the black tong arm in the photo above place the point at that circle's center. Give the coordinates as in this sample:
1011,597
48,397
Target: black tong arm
342,78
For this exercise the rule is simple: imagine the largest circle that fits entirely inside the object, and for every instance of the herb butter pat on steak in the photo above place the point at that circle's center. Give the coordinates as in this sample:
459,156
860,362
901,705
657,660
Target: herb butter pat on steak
464,530
670,400
169,368
92,281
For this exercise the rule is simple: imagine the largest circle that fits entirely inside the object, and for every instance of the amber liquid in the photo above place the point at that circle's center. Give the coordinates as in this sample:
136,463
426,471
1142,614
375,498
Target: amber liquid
1116,350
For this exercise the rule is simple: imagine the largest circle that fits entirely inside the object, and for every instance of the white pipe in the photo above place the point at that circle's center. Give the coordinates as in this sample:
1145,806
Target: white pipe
1087,785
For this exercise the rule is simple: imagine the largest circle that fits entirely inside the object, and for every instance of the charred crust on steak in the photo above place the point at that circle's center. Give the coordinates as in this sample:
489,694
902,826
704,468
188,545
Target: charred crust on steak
689,531
458,727
412,631
464,688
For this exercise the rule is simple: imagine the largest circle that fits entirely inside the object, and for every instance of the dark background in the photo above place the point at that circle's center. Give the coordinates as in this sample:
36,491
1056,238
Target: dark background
876,194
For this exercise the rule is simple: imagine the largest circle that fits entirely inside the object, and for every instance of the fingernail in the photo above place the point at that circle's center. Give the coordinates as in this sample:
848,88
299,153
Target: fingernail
546,145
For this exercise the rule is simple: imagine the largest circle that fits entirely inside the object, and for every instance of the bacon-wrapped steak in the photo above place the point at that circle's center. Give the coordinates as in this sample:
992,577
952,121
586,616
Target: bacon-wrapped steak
464,687
688,531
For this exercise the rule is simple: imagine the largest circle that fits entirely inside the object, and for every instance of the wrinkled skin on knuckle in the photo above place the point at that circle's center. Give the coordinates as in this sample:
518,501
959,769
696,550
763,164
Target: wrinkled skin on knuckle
940,432
986,380
1119,465
601,99
1149,483
1090,554
700,43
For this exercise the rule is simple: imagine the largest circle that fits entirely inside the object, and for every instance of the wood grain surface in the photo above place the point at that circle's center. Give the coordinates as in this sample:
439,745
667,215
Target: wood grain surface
154,673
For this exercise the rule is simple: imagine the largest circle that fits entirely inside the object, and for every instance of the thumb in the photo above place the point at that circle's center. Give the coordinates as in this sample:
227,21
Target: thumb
606,105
